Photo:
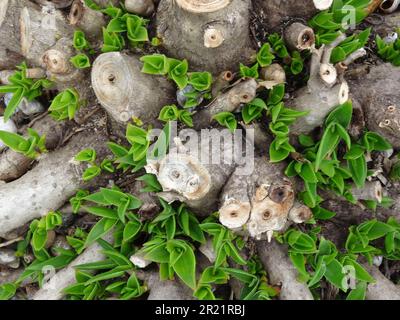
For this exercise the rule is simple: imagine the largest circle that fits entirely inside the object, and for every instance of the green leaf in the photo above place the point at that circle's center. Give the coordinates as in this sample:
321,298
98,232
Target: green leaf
276,94
132,228
65,105
327,145
265,56
178,72
80,61
100,229
12,105
334,274
201,81
91,172
152,184
342,115
247,72
253,110
7,291
169,113
183,261
358,169
79,41
155,64
87,155
114,273
226,119
359,292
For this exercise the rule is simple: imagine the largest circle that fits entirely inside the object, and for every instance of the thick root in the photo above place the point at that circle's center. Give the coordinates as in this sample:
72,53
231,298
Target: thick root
383,288
33,196
53,289
281,271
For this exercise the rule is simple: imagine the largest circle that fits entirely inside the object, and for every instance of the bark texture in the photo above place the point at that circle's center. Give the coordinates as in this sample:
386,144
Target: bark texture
211,35
10,41
89,21
323,93
279,11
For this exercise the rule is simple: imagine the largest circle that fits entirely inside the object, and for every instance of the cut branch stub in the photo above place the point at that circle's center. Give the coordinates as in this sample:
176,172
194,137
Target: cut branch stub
125,92
299,37
389,6
323,93
229,101
300,213
88,20
40,30
212,35
196,171
261,201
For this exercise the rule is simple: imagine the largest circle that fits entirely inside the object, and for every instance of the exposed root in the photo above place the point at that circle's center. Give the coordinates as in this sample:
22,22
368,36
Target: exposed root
53,289
281,271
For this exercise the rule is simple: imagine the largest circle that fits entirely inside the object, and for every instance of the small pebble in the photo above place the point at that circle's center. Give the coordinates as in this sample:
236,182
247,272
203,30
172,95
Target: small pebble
8,258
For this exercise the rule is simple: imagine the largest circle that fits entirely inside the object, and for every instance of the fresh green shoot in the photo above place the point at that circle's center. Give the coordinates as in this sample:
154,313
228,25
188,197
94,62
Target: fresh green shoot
172,113
22,87
80,61
65,105
226,119
249,72
265,55
389,51
31,147
40,229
